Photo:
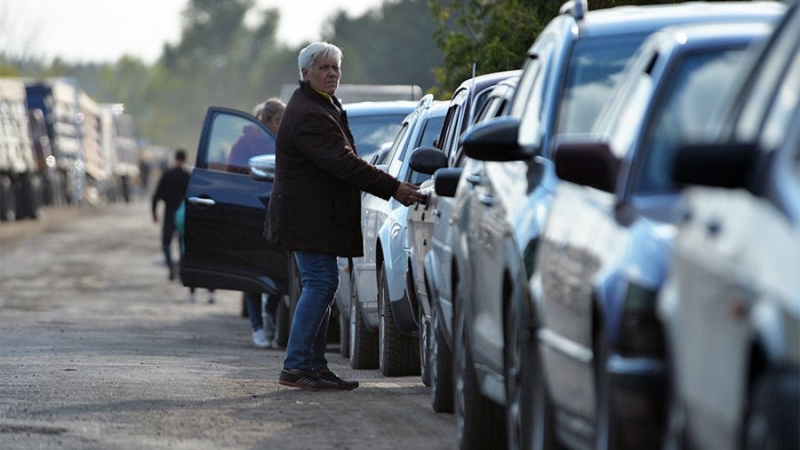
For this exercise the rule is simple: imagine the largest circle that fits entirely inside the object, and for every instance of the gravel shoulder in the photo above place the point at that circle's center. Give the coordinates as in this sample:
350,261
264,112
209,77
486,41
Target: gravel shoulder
98,350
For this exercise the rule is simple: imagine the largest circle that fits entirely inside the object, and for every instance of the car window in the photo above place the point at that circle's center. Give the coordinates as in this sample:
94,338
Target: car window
372,131
529,92
233,140
452,121
701,81
398,144
594,68
430,132
788,95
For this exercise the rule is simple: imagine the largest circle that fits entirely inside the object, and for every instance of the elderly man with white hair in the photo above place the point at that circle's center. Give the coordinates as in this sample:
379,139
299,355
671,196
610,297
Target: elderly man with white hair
315,208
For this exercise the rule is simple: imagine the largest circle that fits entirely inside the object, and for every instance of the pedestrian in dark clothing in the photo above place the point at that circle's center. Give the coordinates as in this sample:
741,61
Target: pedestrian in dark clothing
171,189
315,208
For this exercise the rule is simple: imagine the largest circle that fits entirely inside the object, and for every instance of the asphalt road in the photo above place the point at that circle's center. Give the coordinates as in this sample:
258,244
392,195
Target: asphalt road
98,350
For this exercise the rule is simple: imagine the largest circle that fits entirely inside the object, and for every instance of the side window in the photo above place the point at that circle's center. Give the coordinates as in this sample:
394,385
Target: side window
530,103
233,140
399,144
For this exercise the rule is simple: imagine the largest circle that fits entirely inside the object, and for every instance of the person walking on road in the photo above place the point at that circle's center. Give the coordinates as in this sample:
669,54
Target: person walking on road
171,189
315,208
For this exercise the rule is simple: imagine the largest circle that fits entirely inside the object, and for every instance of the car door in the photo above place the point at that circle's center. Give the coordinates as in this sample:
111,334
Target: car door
225,211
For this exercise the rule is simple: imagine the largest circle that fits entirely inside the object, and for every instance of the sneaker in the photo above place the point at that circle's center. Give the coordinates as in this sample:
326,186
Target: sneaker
342,385
260,339
269,326
306,379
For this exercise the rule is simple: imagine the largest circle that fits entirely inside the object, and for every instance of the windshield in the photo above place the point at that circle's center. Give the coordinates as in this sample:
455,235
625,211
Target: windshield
595,66
370,132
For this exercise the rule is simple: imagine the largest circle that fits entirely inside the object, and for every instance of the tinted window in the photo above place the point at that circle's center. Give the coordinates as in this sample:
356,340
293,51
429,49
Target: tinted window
594,67
233,140
702,79
372,131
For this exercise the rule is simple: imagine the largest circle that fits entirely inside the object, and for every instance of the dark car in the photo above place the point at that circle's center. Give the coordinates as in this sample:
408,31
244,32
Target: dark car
429,229
569,73
225,211
731,302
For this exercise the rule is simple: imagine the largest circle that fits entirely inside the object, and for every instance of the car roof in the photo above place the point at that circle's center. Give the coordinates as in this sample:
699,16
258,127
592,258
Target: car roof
484,81
640,19
383,107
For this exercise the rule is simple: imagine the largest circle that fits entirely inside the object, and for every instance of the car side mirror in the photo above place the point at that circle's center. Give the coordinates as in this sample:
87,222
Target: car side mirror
262,167
445,181
427,160
495,140
587,163
729,165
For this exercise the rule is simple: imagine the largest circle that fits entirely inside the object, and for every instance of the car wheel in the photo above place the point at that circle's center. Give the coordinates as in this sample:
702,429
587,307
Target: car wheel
424,346
771,421
363,342
344,336
398,354
480,423
440,360
8,204
519,377
607,433
283,323
244,312
543,434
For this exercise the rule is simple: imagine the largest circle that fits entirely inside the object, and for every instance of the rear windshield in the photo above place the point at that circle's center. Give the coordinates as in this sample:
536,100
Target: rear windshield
370,132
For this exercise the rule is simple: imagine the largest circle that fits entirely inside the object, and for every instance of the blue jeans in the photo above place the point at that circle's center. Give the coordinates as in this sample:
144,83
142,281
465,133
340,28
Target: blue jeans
308,338
254,311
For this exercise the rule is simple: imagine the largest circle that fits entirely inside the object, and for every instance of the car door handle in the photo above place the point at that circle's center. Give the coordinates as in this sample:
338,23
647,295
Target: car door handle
473,179
487,200
201,201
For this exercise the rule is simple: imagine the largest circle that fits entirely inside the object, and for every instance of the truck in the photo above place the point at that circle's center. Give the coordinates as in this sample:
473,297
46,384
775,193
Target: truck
120,149
57,99
19,185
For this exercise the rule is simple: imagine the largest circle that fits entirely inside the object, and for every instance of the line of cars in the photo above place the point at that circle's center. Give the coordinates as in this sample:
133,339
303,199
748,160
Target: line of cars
560,288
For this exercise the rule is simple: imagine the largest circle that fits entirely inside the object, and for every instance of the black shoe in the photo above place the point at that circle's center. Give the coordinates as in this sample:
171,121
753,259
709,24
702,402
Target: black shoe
342,385
171,272
306,379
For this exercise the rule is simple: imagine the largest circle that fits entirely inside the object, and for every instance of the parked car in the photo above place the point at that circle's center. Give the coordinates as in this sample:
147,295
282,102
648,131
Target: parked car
569,73
428,227
383,328
374,124
605,247
731,302
225,211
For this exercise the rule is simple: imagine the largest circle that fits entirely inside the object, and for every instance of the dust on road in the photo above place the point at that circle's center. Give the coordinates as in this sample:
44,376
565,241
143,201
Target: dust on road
98,350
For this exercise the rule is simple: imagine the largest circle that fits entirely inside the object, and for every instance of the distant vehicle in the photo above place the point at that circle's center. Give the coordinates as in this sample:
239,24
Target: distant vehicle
19,183
120,151
58,99
731,302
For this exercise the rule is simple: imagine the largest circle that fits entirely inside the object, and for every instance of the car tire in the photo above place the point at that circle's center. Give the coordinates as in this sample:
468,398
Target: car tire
398,355
480,423
283,323
424,346
519,372
8,203
344,336
363,342
543,433
440,365
774,406
244,312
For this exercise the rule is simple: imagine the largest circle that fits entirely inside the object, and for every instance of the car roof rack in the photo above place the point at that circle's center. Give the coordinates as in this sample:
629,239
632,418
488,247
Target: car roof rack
576,8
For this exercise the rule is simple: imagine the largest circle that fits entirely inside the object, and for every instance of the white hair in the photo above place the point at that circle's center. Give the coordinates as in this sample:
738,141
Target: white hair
313,51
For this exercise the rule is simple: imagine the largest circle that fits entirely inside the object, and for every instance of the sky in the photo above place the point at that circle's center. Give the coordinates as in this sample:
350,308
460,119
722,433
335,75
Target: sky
105,30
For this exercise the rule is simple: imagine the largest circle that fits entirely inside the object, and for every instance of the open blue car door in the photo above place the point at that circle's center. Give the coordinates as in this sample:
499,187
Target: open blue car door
225,210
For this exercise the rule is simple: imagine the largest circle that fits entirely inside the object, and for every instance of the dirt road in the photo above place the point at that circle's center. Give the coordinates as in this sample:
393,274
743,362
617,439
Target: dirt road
98,350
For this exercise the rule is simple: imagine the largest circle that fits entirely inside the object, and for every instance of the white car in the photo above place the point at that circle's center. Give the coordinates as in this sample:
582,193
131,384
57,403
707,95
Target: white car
383,328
